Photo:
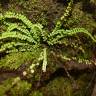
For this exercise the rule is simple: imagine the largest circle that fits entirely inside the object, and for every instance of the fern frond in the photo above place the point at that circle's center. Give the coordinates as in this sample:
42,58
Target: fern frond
57,35
65,15
19,17
17,35
56,32
13,27
23,48
67,11
80,30
12,45
44,60
35,31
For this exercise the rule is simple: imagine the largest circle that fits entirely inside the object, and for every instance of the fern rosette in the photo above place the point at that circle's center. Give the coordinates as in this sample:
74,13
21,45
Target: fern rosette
20,34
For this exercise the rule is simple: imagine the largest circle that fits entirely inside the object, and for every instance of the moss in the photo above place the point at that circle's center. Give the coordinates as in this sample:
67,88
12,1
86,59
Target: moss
36,93
14,87
15,60
62,86
22,88
58,87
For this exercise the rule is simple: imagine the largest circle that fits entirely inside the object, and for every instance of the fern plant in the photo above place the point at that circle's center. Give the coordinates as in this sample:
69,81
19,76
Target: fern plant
22,35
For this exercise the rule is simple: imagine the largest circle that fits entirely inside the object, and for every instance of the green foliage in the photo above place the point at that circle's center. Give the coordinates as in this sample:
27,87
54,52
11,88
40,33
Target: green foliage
14,87
22,35
5,86
22,88
36,93
62,86
63,18
57,35
15,59
27,44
